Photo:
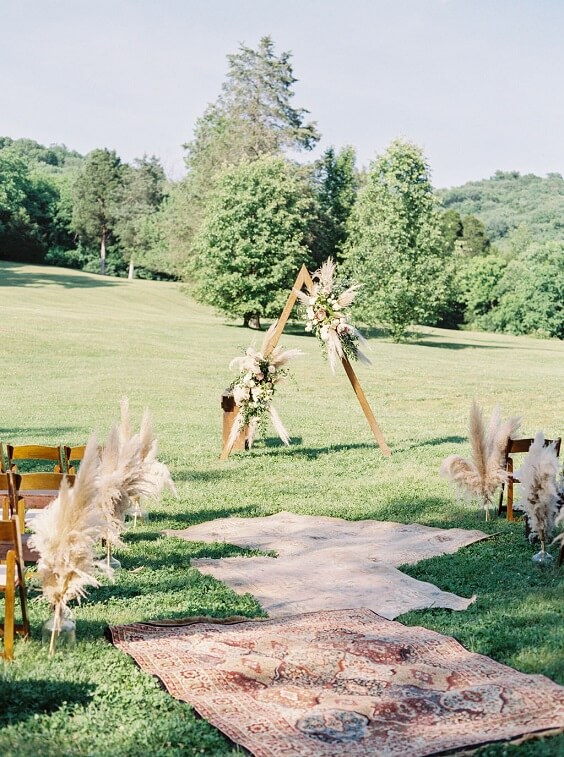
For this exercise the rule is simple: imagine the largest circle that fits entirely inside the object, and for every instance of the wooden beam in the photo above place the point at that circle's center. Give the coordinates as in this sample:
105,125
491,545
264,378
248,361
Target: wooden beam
302,278
366,409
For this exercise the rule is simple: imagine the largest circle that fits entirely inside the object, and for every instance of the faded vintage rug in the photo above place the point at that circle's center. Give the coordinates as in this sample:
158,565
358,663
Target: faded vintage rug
330,563
342,682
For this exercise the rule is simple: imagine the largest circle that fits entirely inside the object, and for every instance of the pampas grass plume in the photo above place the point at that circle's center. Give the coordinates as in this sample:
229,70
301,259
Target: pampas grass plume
65,533
538,476
481,475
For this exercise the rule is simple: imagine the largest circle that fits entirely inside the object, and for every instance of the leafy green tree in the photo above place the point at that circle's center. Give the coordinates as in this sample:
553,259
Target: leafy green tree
336,184
395,246
479,282
531,292
141,195
28,207
253,116
253,240
96,196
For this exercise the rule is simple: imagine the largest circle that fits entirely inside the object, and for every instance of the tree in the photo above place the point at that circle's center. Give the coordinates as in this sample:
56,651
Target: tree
252,117
96,194
531,292
140,196
395,247
336,184
253,240
28,207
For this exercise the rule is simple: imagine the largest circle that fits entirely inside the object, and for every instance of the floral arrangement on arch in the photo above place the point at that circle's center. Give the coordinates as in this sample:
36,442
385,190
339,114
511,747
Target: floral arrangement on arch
326,313
259,373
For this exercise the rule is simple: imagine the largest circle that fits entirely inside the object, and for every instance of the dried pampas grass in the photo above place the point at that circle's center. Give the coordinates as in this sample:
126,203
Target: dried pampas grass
157,475
65,533
538,476
484,472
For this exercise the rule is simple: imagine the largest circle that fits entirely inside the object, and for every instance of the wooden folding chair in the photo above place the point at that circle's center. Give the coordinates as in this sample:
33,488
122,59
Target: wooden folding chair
2,465
35,452
12,577
73,455
34,492
9,483
517,447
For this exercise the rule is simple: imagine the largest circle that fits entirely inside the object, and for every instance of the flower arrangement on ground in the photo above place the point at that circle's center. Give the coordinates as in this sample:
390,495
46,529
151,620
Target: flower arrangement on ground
327,317
484,473
259,373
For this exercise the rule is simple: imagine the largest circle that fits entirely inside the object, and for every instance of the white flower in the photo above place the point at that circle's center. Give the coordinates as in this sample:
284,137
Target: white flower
309,313
336,306
272,369
335,322
308,326
240,395
324,333
312,300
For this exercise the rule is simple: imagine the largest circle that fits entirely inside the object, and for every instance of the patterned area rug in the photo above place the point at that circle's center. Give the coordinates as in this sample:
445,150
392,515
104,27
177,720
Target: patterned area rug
343,682
330,563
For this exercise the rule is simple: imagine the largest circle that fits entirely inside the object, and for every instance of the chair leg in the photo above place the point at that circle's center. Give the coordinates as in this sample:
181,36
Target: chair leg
9,606
510,490
23,604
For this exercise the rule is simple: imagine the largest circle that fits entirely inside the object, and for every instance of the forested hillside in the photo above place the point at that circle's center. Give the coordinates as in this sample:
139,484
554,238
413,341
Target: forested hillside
508,201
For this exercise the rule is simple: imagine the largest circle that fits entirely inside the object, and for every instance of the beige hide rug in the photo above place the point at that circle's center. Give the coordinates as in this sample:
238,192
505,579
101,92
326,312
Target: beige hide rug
329,563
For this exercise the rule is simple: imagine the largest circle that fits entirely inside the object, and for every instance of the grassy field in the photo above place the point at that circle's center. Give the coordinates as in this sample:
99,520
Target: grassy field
73,344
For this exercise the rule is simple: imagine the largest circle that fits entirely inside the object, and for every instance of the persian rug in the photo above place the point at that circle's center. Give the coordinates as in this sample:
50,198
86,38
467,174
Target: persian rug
330,563
342,682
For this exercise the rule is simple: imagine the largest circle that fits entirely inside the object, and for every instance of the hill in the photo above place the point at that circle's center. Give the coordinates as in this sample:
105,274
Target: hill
509,200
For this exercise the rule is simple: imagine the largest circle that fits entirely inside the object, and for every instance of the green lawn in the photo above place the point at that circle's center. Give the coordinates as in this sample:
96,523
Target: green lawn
73,344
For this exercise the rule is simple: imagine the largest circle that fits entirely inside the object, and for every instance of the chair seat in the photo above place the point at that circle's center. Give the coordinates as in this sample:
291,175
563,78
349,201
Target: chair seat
3,577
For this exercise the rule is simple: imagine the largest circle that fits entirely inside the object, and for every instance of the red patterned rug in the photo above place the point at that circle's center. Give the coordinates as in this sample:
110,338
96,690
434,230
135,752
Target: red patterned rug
343,682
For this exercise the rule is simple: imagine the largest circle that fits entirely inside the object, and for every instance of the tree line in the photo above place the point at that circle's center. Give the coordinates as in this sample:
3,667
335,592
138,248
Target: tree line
247,214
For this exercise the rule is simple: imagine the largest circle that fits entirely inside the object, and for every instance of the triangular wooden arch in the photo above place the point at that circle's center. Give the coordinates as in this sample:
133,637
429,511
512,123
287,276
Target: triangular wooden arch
304,279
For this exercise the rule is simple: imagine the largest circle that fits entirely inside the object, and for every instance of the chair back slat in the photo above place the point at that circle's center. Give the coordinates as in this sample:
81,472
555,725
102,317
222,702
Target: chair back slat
2,464
40,481
35,452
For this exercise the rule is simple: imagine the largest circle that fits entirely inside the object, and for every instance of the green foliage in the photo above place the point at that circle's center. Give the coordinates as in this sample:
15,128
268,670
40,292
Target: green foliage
336,185
531,293
252,117
509,200
395,247
28,210
254,238
140,196
96,196
479,280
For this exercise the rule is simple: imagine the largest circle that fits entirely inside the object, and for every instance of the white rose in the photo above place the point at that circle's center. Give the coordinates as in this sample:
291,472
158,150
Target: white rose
308,326
309,313
272,369
324,333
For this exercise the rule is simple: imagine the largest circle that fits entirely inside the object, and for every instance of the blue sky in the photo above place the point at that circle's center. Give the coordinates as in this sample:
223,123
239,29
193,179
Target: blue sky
477,83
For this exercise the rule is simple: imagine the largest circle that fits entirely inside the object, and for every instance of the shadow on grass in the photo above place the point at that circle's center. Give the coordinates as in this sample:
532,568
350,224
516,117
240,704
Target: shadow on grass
14,433
311,453
29,697
436,442
201,516
20,276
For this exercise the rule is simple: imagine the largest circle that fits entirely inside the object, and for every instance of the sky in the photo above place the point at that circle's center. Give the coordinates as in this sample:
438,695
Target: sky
477,83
